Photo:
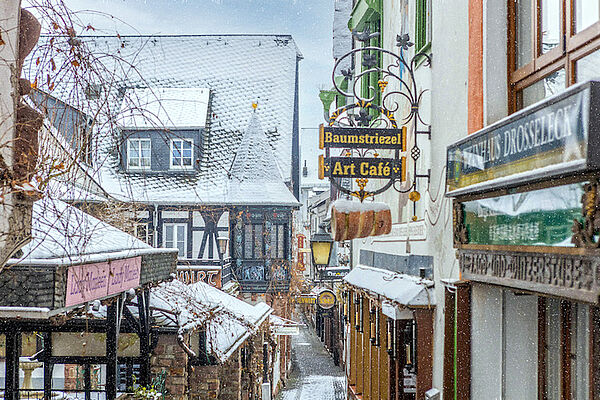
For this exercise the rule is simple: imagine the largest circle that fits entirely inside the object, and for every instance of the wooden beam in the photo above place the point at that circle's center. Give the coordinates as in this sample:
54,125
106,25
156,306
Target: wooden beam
13,352
112,336
463,342
48,366
424,320
475,78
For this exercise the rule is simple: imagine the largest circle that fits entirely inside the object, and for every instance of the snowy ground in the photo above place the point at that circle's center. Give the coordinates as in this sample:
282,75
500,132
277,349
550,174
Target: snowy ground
314,376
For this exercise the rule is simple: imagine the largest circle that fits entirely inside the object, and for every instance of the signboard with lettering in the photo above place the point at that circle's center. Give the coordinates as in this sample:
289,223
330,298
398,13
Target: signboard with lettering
354,167
326,299
89,282
305,299
549,139
191,275
570,276
371,138
334,273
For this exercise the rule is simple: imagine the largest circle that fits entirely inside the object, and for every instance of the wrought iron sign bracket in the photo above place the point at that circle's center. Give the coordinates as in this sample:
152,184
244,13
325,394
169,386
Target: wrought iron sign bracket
427,175
359,134
427,132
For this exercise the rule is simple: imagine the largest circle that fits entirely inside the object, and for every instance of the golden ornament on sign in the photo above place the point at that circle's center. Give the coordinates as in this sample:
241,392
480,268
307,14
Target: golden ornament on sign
414,196
414,218
382,84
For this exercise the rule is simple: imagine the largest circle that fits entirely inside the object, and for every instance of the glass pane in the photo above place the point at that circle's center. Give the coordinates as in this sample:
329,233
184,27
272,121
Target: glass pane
524,32
273,246
551,32
248,242
258,241
546,87
181,240
580,377
169,236
587,12
553,340
280,241
537,218
588,67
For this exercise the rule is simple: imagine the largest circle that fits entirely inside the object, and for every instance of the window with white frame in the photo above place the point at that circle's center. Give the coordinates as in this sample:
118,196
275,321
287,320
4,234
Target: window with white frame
175,236
182,153
138,153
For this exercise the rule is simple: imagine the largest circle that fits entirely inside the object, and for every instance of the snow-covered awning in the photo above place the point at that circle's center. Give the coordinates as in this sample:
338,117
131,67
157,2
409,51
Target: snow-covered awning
407,290
64,235
228,320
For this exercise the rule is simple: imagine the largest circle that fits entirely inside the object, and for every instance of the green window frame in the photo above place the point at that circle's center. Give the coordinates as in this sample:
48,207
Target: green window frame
371,79
423,25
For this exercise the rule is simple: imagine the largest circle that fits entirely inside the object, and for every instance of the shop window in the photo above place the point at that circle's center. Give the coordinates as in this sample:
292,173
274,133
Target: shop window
175,236
549,44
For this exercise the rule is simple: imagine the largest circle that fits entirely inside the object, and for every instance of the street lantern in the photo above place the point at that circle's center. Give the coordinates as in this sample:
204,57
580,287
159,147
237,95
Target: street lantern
321,246
223,242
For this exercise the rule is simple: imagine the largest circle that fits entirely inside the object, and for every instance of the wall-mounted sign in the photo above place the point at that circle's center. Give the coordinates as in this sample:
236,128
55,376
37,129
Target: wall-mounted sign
191,275
539,142
305,299
370,138
569,276
334,273
354,167
326,299
286,330
89,282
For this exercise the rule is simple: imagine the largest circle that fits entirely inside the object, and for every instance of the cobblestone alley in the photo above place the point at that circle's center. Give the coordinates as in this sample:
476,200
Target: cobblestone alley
314,376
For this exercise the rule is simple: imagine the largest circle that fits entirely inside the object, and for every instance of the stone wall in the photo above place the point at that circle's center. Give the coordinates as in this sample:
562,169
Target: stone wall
169,356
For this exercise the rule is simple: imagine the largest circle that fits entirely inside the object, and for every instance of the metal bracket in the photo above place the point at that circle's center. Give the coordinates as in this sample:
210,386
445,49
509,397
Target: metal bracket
427,175
427,132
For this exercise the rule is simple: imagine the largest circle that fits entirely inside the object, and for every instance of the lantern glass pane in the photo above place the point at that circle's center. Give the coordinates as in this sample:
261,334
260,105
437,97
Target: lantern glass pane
321,252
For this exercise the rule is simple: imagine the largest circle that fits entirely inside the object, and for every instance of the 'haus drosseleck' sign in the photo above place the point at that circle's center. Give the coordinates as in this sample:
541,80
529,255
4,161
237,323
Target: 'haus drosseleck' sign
546,140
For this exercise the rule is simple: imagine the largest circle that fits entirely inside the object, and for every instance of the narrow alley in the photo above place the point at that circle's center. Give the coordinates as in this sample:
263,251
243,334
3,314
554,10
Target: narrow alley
314,375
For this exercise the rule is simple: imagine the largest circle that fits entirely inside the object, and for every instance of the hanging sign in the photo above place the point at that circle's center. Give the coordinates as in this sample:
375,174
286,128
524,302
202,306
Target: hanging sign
366,138
326,299
354,167
305,299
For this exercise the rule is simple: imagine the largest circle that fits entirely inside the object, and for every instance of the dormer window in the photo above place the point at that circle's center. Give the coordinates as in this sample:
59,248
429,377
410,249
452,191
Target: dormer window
182,153
138,153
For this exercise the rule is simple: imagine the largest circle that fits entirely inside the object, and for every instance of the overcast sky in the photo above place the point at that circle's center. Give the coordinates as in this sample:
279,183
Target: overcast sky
308,21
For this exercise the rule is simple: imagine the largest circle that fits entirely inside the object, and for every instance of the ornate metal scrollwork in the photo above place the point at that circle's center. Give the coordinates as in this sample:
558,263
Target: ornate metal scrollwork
399,70
585,234
460,232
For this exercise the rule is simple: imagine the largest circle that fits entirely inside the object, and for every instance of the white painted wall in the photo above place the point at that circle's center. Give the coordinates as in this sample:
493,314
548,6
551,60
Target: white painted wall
9,32
486,342
520,346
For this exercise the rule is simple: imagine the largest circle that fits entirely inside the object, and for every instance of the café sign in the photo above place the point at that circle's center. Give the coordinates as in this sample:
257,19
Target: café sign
351,167
548,139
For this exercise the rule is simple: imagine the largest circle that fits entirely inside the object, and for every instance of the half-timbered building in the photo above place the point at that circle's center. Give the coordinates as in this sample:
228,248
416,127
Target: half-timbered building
205,173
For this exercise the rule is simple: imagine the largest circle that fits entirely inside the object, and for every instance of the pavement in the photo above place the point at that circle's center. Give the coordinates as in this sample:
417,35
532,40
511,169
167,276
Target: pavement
313,375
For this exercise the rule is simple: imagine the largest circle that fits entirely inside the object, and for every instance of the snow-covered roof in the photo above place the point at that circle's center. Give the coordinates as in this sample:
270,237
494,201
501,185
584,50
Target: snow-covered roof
161,108
63,235
237,70
228,320
403,289
255,175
